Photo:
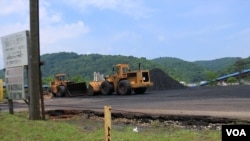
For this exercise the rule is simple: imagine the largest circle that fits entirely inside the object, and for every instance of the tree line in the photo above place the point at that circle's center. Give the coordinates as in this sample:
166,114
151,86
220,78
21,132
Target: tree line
81,67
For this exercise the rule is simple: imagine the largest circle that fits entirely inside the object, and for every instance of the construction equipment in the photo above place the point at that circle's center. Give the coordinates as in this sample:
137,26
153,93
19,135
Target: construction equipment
61,86
122,81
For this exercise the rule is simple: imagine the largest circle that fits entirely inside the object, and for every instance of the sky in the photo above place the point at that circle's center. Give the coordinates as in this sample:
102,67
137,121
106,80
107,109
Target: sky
190,30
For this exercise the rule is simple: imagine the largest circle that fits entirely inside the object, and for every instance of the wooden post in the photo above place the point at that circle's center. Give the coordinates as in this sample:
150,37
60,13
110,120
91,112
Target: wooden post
11,106
34,62
107,123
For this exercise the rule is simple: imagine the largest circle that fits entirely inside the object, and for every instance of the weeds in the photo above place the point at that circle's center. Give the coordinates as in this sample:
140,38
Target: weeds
18,127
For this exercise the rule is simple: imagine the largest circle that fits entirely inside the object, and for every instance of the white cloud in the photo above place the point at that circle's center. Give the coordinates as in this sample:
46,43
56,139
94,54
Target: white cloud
54,30
202,31
55,34
161,38
242,35
12,28
102,4
133,8
48,18
63,26
17,7
205,8
125,35
212,29
204,11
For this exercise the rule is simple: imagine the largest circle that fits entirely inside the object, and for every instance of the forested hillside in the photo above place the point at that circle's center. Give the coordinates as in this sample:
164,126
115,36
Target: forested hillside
182,70
84,65
217,64
239,64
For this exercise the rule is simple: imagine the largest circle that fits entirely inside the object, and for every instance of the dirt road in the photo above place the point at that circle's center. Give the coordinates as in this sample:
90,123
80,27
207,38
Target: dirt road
223,102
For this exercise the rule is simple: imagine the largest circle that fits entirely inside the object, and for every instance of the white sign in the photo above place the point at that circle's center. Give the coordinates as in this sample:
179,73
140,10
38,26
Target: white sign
15,49
15,83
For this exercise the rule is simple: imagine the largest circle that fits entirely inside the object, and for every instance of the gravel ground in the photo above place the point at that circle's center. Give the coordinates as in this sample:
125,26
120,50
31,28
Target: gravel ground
193,108
196,107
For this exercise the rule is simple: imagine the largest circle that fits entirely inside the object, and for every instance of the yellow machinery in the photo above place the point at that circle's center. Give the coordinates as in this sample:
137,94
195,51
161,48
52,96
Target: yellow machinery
61,86
122,81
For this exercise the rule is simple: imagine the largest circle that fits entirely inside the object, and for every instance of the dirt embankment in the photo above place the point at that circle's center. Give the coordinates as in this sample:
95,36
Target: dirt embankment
187,122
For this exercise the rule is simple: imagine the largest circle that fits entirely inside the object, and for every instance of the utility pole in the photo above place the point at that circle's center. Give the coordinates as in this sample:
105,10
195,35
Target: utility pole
34,77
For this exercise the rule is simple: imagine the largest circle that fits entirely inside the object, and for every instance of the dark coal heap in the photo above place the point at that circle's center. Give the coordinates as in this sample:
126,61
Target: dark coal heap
163,81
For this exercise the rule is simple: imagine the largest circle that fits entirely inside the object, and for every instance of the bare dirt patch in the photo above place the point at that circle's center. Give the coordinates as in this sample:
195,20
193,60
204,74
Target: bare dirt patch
145,120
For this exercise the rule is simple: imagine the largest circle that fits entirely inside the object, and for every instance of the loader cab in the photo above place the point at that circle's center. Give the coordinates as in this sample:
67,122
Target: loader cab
61,77
121,70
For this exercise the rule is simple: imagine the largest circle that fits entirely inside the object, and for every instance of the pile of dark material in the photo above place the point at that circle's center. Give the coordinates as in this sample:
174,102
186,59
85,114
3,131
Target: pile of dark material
163,81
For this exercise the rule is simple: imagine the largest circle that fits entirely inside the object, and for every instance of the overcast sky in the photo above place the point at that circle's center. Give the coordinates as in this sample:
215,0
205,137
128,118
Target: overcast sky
187,29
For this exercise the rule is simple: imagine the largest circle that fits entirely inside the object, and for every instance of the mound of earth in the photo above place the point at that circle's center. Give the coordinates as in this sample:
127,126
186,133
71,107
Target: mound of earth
163,81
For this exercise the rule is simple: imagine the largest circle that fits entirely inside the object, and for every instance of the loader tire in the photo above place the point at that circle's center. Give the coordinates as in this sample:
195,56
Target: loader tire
90,90
140,90
124,87
50,91
106,88
61,91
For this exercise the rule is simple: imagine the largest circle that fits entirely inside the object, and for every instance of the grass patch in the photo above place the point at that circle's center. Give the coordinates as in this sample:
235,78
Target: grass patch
18,127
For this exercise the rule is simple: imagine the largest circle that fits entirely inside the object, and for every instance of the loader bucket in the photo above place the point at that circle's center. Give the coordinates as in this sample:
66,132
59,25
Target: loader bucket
94,87
76,89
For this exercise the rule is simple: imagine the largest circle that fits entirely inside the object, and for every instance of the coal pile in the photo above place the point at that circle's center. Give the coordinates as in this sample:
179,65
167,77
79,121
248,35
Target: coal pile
163,81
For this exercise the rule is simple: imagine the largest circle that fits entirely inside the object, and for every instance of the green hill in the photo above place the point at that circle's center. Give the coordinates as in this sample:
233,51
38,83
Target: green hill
182,70
217,64
84,65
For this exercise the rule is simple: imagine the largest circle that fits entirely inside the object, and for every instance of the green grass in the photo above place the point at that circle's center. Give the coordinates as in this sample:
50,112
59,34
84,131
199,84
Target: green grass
18,127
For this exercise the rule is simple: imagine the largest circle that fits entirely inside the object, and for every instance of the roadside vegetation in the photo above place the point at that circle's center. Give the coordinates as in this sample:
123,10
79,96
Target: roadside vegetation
18,127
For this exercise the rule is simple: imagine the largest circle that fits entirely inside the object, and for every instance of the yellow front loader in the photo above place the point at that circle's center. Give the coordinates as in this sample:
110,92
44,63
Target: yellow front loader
123,81
61,86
